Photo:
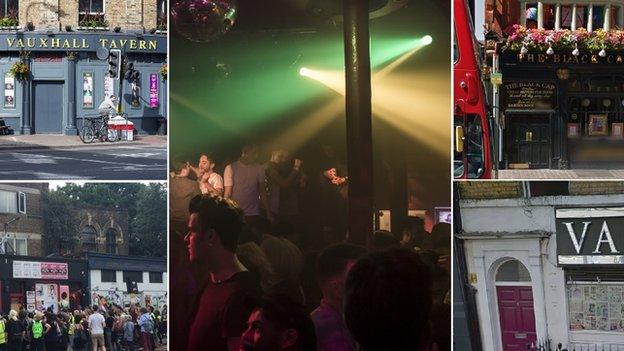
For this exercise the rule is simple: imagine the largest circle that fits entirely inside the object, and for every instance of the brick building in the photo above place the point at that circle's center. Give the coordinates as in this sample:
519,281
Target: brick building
21,215
58,41
540,262
102,230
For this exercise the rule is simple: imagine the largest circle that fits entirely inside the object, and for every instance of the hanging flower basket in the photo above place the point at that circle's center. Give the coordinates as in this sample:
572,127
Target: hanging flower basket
524,40
164,69
8,22
20,70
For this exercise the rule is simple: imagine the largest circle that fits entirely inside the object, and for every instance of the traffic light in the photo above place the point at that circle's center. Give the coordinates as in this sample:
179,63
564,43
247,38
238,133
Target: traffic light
114,63
131,73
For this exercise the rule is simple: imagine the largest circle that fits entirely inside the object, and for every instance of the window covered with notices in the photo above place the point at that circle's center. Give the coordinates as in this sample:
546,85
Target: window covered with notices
596,306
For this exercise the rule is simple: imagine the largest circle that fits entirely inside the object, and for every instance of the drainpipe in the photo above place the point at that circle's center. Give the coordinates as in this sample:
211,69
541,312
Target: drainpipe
358,118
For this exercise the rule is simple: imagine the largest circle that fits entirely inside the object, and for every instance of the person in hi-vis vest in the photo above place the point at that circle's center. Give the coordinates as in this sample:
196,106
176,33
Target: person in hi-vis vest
38,328
3,335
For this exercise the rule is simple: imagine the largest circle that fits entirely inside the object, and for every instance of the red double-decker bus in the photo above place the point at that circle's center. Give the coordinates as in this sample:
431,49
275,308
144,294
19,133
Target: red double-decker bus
472,140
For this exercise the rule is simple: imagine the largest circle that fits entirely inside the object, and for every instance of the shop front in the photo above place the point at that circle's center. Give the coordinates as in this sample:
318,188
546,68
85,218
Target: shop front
38,284
590,250
553,274
562,110
52,80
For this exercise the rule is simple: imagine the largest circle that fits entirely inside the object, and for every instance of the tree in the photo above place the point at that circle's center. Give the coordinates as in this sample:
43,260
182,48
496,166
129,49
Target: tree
61,222
149,225
146,206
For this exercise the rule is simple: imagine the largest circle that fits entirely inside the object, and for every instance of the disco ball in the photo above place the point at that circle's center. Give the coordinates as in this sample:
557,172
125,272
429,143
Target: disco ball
203,20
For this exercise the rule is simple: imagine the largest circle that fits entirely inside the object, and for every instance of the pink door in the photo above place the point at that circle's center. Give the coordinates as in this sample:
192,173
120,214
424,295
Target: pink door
515,307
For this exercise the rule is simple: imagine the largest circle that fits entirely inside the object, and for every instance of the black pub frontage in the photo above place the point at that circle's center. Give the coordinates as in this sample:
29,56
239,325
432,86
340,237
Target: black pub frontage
40,283
562,110
66,81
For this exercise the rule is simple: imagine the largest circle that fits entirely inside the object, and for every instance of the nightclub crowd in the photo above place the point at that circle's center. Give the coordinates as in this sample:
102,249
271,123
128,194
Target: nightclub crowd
254,268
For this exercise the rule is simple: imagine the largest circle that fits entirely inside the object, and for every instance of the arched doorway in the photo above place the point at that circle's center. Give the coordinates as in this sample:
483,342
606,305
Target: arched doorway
515,306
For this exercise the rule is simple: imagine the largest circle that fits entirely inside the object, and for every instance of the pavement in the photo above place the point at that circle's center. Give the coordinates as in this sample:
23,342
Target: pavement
565,174
34,141
60,157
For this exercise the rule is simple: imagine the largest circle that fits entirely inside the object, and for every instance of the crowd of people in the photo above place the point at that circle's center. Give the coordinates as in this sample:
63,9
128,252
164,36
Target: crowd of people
103,327
252,271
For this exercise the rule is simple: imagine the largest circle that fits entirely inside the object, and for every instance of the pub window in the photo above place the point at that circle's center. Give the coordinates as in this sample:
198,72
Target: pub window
8,11
8,201
133,276
88,239
109,276
91,13
111,241
596,306
155,277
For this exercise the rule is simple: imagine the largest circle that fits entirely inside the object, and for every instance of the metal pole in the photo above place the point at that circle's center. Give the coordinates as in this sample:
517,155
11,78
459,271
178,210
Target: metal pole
358,117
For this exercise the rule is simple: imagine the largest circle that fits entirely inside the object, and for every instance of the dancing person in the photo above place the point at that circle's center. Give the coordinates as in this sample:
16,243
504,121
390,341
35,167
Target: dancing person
244,182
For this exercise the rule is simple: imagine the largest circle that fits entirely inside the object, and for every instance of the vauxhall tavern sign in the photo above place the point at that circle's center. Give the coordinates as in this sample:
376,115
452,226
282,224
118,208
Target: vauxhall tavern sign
590,235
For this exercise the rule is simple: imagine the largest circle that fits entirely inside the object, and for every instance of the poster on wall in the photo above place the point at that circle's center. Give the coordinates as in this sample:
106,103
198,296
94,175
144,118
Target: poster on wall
9,90
597,125
108,86
64,296
87,90
596,307
40,270
46,297
153,90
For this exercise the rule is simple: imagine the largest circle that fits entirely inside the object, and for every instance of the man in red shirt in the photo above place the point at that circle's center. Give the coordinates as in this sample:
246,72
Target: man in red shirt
222,309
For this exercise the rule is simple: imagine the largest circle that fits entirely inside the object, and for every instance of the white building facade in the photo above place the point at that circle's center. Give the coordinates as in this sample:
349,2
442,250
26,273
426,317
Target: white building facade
124,280
546,269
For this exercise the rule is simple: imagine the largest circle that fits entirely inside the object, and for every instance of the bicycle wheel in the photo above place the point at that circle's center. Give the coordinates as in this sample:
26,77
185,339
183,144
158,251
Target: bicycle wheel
103,133
87,134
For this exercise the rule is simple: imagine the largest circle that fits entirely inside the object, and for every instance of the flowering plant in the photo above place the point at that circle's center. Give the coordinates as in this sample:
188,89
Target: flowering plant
20,70
524,39
164,71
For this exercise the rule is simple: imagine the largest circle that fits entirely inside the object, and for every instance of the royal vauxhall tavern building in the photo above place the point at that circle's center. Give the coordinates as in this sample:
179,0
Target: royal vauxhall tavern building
557,82
544,262
52,75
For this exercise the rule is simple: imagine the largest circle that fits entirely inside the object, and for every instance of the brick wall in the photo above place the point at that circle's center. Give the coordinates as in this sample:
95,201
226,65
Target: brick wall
103,219
127,14
32,221
596,188
489,190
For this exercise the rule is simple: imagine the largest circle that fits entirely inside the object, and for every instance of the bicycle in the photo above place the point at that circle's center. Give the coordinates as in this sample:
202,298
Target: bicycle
94,127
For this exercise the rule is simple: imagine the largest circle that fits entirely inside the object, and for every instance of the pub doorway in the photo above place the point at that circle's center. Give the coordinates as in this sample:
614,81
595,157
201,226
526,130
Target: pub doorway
529,140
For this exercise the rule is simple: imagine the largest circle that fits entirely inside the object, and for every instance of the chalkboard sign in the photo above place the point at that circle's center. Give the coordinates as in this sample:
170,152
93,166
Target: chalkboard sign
530,95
